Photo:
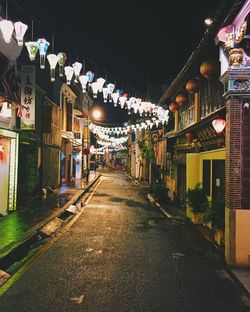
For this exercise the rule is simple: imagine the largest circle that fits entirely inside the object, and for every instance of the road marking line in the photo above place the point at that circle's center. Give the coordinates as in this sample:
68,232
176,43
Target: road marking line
44,249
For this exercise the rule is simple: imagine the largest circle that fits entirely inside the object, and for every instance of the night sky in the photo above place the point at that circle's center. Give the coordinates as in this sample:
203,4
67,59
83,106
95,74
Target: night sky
135,42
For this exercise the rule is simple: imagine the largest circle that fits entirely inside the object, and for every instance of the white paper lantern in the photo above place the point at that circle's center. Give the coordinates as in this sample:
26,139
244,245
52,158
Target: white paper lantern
20,30
7,28
100,82
52,58
83,81
77,68
115,97
95,88
69,72
105,94
122,100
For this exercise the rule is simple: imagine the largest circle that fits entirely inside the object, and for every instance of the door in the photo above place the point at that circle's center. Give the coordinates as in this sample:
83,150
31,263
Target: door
4,174
218,179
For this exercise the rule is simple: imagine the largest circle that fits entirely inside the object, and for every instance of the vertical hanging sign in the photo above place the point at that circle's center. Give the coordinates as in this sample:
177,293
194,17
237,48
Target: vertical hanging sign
28,97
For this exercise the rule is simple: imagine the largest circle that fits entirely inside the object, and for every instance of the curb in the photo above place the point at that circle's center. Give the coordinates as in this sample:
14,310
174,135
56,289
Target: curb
33,230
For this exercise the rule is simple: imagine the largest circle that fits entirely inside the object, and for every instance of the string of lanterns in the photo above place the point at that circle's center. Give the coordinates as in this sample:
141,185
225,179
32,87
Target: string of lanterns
132,104
208,68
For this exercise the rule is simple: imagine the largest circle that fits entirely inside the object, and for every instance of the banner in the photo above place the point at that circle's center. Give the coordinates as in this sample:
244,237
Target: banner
28,97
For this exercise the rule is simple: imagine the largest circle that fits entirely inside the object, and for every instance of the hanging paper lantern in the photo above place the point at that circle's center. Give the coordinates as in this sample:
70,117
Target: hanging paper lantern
42,47
1,151
86,151
62,57
181,99
77,68
111,88
100,82
189,137
20,30
90,76
105,94
129,103
32,48
69,72
83,81
7,28
208,68
219,125
173,107
95,88
115,97
192,86
52,58
122,100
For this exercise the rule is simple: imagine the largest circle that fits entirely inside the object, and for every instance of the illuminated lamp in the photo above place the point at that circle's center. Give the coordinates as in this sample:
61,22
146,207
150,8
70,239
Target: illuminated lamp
192,86
62,57
7,28
208,68
69,72
52,58
20,30
173,107
43,45
90,76
115,97
32,48
189,137
128,103
83,81
105,94
100,82
111,88
181,99
122,100
219,125
77,68
95,88
1,151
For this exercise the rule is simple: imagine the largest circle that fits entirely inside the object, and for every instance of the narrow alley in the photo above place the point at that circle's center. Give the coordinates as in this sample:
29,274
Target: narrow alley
122,254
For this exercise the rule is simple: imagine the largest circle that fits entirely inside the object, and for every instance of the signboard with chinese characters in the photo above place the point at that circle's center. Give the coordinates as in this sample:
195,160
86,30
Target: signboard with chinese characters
28,97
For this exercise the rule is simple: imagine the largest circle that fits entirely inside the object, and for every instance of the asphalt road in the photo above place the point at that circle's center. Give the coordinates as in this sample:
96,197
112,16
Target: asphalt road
123,255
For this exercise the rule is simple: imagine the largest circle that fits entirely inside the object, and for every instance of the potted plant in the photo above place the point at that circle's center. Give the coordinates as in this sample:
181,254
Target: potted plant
197,202
216,215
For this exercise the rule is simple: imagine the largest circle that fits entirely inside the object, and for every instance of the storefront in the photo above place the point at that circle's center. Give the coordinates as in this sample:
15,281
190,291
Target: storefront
8,170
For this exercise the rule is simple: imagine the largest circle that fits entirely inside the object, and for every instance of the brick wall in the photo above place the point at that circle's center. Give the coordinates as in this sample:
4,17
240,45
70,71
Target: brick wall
237,154
233,152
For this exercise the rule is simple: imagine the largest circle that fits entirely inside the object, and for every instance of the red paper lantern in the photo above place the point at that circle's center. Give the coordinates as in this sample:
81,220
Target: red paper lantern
173,107
189,137
219,125
86,151
208,68
192,86
181,99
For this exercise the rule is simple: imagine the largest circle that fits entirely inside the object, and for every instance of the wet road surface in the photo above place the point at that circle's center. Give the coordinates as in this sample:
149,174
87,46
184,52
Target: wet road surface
123,255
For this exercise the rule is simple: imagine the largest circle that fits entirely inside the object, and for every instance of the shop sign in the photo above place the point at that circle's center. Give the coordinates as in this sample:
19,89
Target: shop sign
28,97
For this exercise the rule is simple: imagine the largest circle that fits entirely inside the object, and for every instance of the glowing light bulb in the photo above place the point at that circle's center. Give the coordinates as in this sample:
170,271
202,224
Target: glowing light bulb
32,48
83,81
77,68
